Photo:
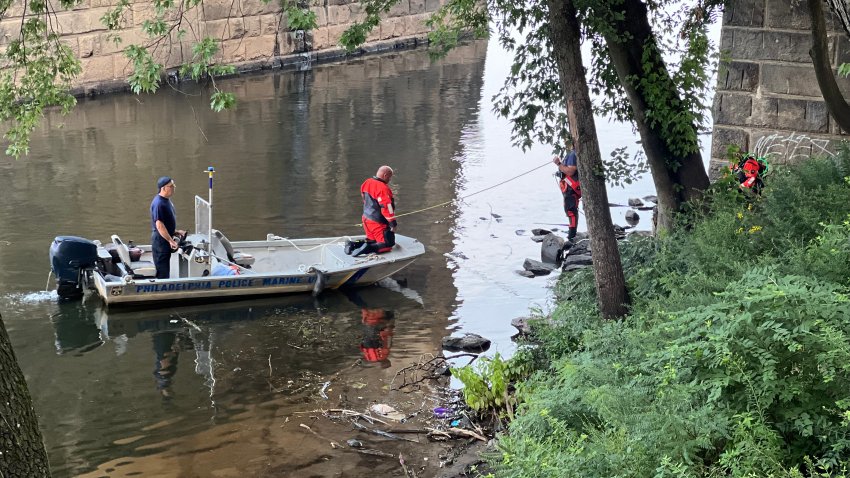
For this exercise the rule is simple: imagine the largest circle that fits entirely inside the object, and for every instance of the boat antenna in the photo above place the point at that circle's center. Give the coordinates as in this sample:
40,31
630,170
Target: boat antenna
210,170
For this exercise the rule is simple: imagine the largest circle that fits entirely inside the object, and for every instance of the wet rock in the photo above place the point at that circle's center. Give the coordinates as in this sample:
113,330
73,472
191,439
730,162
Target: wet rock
635,202
578,259
354,443
528,274
537,268
539,238
550,248
444,370
575,267
519,232
483,218
523,324
632,217
652,199
580,247
468,343
540,232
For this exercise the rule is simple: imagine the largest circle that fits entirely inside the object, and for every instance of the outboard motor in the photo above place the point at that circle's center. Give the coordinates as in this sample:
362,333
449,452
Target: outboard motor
70,257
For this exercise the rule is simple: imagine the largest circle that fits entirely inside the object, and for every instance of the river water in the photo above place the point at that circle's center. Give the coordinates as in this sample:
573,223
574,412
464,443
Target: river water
222,390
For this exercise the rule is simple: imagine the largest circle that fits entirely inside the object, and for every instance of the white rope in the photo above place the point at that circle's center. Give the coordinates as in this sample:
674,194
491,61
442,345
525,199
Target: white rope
333,241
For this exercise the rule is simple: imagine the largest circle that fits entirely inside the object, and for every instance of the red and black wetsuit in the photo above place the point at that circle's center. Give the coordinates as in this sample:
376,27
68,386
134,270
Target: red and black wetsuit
571,189
377,218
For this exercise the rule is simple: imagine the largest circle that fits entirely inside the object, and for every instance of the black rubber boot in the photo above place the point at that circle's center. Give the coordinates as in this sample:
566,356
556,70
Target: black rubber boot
363,249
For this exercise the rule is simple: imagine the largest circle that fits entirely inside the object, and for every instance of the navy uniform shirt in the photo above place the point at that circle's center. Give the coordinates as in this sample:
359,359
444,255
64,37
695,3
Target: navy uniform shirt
163,210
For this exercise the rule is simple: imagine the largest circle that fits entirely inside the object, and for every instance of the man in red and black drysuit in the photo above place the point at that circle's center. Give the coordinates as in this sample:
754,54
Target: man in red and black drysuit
378,215
570,188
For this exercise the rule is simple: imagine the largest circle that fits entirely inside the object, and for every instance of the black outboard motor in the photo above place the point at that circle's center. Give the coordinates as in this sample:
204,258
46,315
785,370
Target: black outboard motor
70,257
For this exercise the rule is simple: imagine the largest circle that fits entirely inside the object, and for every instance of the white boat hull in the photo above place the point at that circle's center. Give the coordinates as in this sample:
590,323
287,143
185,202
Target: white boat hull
283,266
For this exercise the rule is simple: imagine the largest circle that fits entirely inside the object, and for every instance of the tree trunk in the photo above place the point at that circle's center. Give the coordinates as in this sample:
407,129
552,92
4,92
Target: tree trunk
835,102
565,33
22,453
678,178
841,9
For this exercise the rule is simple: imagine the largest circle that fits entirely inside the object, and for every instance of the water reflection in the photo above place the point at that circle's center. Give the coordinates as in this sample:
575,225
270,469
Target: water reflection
378,329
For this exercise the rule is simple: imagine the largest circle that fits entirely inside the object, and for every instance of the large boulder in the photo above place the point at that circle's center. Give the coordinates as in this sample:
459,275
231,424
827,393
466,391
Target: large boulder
579,259
632,217
550,248
537,268
635,202
468,343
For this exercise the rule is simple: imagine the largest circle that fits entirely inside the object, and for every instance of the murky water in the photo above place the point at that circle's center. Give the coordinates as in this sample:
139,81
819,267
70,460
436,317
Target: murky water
222,390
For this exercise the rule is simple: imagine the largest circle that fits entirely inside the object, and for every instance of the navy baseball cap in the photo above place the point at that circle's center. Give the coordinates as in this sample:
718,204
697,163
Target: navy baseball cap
162,182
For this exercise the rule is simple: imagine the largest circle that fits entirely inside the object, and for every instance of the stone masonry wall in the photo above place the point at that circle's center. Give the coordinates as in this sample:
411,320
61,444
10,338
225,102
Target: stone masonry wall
767,98
252,34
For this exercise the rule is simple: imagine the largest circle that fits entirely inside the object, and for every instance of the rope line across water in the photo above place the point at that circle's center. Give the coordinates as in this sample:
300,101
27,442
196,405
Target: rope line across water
444,203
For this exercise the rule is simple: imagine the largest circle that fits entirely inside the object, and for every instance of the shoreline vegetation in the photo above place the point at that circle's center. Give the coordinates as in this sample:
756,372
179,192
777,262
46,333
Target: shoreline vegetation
734,359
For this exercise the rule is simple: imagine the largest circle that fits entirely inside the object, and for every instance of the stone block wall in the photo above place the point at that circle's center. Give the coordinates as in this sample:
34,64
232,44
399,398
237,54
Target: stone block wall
251,32
767,98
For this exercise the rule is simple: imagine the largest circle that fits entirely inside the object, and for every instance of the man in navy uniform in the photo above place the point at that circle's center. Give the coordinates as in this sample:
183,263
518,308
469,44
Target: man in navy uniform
163,227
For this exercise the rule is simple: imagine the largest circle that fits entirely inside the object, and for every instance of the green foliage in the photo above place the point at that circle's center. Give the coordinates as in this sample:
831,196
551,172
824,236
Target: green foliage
488,386
734,362
356,34
298,18
452,20
37,71
146,71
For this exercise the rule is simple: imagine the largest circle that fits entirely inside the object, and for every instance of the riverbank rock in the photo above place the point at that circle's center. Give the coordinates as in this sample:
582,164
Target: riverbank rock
574,267
635,202
539,238
550,248
580,247
537,268
540,232
632,217
524,324
578,259
468,343
528,274
652,199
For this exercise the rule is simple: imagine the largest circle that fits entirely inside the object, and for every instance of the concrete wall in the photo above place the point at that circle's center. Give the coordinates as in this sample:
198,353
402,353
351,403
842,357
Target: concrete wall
767,97
252,34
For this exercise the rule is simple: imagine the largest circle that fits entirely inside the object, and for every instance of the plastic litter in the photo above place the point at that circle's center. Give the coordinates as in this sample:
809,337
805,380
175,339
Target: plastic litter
387,411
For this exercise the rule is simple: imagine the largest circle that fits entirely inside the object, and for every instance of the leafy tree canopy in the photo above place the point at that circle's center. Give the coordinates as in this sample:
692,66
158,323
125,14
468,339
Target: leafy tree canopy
531,97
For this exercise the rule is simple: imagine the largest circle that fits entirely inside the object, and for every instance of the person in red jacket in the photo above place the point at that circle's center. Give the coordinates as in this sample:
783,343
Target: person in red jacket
570,188
379,221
